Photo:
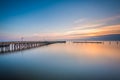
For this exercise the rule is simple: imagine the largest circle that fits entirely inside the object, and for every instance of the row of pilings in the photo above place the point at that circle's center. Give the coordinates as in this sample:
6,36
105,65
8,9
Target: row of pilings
21,45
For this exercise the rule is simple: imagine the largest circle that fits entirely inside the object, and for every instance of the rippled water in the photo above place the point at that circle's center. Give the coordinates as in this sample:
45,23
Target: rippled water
64,61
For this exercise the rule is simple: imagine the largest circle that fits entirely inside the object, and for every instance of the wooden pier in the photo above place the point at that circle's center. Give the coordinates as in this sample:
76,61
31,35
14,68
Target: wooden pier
22,45
88,42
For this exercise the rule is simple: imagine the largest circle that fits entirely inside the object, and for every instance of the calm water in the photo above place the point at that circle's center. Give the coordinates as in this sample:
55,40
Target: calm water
65,61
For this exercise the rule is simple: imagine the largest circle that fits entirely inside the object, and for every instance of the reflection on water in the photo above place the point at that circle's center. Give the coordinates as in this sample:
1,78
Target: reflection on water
69,61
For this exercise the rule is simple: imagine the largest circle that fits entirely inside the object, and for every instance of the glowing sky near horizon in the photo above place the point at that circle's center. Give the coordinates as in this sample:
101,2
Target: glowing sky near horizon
58,19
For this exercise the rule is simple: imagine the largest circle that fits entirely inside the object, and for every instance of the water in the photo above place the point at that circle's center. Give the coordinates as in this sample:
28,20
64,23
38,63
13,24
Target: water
63,61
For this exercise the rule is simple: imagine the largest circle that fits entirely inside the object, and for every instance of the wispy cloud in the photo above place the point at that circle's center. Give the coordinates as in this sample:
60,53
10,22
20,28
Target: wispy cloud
113,29
85,29
88,26
82,30
79,20
109,19
92,24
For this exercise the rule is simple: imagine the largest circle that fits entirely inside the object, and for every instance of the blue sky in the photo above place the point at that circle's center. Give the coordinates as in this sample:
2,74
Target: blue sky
52,18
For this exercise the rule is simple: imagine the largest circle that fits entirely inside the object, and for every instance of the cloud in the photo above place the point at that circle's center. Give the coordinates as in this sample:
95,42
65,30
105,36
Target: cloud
79,20
113,29
84,29
89,26
109,19
94,28
92,24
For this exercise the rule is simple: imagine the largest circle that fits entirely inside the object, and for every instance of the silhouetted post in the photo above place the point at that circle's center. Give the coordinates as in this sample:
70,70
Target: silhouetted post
22,38
117,42
109,42
103,42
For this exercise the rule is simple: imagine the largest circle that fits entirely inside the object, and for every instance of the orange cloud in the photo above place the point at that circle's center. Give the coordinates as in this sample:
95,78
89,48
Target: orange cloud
74,34
83,30
114,29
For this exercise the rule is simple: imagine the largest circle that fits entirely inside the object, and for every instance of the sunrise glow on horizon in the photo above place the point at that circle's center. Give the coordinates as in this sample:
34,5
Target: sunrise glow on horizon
58,19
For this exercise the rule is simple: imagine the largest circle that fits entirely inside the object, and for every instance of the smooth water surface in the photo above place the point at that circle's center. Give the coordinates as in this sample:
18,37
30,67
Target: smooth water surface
63,61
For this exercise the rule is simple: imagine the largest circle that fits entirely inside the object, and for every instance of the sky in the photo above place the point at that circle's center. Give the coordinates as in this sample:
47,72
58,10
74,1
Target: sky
58,19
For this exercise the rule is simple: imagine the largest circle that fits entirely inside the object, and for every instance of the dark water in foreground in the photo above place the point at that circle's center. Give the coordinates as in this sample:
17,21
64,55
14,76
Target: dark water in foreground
65,61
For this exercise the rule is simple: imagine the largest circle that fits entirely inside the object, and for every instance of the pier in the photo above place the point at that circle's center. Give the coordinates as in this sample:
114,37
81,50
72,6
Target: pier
89,42
22,45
